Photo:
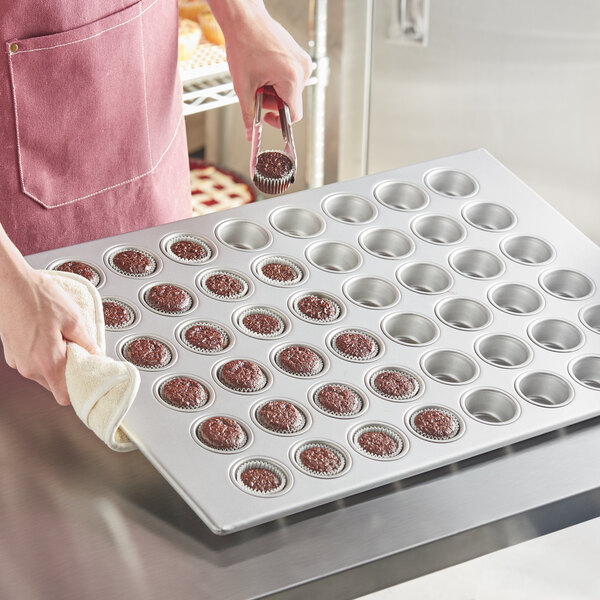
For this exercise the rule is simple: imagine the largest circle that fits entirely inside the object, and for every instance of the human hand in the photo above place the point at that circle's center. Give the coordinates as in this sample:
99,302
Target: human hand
37,320
261,52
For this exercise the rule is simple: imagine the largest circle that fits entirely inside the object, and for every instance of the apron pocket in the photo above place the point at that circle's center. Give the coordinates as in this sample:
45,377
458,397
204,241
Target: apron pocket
80,109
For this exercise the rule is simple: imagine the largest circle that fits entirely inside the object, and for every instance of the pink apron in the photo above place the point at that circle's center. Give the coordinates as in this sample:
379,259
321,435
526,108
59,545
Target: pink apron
93,138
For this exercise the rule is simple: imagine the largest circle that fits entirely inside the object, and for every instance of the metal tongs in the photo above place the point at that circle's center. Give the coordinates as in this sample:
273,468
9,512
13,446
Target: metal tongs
271,182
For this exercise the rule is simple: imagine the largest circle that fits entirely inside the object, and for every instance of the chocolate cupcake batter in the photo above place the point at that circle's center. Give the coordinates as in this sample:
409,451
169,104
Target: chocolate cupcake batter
378,443
339,400
321,460
279,272
168,298
436,424
300,360
280,416
207,338
261,323
224,285
184,392
188,250
79,268
116,315
222,433
147,352
133,262
260,480
395,384
243,375
317,308
355,344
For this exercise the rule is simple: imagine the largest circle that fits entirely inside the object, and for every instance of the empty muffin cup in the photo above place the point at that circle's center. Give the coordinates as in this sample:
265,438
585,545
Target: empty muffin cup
379,441
410,329
349,208
516,299
425,278
590,317
297,222
386,243
463,313
543,388
556,335
586,371
334,257
489,216
262,477
527,250
243,235
371,292
491,406
438,229
400,195
503,350
451,183
450,367
567,284
476,264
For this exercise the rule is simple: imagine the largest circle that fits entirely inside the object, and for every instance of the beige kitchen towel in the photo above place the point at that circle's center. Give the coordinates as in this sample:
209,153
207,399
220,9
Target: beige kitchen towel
101,389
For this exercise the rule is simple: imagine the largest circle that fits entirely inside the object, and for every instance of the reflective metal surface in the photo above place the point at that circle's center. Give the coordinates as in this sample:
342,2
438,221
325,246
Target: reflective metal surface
79,521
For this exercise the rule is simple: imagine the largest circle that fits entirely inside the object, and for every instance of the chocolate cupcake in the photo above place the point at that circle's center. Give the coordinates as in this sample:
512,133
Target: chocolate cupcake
147,352
299,360
378,443
167,298
225,285
80,268
189,250
133,262
184,392
435,423
262,323
338,400
281,417
355,345
117,315
396,385
242,375
206,338
318,308
259,479
273,164
321,459
222,433
279,271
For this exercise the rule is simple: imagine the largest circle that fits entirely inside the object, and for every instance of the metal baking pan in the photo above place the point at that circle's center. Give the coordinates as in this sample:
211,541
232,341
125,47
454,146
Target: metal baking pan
466,278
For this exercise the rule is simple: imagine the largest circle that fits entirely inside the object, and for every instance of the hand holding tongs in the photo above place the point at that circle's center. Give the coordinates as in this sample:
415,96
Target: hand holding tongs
276,169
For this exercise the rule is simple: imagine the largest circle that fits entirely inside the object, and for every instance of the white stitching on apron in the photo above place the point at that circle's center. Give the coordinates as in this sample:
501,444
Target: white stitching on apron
145,90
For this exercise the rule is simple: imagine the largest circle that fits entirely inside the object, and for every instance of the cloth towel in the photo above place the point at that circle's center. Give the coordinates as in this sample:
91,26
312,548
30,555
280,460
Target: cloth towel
101,389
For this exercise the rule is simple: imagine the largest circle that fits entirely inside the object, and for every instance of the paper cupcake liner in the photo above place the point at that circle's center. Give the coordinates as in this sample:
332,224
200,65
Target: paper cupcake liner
261,311
211,324
133,275
279,260
245,286
300,375
395,435
272,185
170,313
304,317
416,382
252,390
455,420
187,238
350,357
284,481
159,389
238,448
170,353
281,431
317,403
133,317
341,455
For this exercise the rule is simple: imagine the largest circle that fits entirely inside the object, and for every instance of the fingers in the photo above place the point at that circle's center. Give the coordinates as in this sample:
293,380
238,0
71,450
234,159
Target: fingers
74,331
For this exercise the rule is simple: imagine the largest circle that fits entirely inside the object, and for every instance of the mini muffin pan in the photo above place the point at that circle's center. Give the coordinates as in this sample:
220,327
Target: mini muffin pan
471,285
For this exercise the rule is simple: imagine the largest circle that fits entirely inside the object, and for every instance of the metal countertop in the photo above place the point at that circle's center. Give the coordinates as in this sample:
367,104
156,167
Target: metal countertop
80,521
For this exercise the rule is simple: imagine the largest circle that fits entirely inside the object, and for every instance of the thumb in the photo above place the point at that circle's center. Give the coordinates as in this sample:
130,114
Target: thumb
74,331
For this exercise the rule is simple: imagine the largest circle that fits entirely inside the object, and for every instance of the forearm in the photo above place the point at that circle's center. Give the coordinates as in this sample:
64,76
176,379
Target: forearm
12,264
231,14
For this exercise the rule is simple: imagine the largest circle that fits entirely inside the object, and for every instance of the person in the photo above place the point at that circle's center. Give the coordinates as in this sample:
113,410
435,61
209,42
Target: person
94,142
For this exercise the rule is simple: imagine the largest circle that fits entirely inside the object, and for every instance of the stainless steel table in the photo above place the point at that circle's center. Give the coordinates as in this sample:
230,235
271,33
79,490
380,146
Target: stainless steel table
79,521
